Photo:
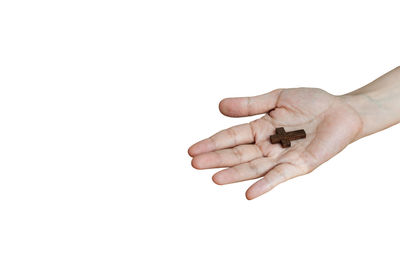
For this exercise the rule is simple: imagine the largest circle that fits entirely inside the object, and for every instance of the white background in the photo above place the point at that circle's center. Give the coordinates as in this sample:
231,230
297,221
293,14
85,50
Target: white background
99,101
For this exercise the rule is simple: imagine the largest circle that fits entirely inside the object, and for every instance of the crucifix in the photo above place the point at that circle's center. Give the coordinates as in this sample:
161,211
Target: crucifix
285,137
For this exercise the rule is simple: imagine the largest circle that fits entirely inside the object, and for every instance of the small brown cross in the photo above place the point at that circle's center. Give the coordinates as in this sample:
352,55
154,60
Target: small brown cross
285,137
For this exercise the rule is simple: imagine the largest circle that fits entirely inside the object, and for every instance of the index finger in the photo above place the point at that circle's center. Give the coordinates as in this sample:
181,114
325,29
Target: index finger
227,138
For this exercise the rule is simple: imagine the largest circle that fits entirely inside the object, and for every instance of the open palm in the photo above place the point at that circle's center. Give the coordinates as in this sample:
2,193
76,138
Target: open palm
330,123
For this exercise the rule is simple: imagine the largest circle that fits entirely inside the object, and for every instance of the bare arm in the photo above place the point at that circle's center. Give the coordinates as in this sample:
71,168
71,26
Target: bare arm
378,103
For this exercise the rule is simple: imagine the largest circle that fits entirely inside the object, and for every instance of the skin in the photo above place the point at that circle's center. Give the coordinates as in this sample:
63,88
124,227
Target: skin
331,123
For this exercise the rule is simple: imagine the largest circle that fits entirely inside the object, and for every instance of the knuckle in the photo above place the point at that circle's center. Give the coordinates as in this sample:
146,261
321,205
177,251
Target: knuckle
238,153
253,168
253,128
232,133
249,105
213,141
264,149
279,173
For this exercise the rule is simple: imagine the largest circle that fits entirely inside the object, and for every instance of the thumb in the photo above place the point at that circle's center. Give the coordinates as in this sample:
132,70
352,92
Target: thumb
247,106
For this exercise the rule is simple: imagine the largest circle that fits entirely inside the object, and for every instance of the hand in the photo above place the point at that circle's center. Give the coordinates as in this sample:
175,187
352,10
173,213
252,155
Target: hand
330,123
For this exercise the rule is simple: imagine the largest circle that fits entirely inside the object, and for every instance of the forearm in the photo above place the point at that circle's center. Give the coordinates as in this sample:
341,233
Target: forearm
377,103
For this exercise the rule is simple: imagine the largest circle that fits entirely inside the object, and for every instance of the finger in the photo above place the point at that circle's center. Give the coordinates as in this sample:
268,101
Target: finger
246,106
245,171
227,157
278,174
227,138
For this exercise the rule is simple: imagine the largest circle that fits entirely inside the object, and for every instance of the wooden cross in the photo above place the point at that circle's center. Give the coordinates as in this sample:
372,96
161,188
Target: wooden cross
285,137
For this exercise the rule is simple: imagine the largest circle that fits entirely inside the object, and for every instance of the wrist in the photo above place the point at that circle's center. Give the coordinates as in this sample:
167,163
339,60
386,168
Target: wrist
360,106
377,104
376,111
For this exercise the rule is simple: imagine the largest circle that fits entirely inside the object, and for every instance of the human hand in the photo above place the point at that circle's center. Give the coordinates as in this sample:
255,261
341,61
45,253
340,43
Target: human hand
329,121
